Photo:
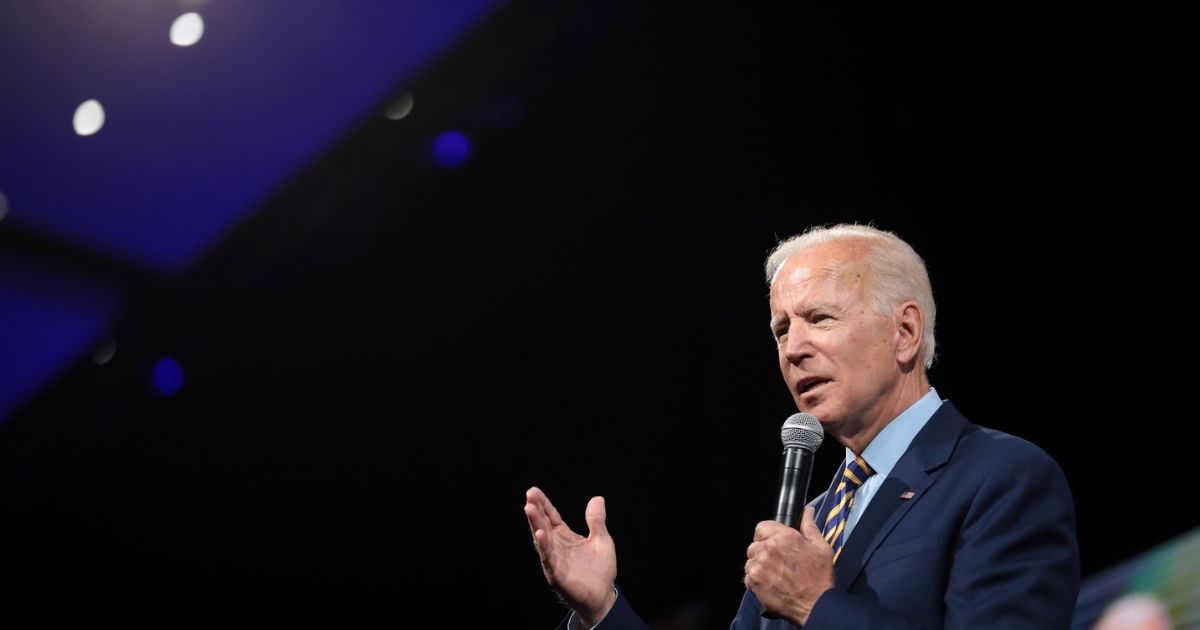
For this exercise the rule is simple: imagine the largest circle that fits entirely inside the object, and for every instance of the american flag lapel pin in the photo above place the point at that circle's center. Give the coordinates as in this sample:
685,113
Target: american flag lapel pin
904,496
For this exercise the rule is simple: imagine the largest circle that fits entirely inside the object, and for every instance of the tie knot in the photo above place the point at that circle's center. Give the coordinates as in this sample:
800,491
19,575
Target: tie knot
857,471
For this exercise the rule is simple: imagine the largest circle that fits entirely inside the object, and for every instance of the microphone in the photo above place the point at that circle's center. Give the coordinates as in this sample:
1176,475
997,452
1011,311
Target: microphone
801,434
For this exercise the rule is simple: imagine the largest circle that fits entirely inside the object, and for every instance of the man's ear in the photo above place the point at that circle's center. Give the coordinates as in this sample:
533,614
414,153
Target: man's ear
910,329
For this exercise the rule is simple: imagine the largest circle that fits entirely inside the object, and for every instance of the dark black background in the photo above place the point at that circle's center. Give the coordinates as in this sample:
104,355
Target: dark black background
383,360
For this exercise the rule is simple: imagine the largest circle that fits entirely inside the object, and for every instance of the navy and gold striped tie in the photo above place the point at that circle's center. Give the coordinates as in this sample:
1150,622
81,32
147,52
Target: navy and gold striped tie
853,476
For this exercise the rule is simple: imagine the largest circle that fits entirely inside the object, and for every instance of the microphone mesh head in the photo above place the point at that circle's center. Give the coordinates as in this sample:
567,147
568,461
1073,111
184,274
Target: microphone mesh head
802,430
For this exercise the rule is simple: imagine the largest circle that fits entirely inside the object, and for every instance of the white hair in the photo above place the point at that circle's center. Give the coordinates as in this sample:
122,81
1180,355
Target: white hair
896,272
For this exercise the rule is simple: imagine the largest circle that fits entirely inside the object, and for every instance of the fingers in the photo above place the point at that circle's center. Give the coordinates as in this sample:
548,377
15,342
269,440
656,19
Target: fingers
539,529
766,529
756,555
545,551
535,511
536,521
808,526
538,498
595,517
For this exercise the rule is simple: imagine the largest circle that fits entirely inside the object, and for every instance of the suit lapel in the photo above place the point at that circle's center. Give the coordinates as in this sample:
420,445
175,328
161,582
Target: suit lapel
930,449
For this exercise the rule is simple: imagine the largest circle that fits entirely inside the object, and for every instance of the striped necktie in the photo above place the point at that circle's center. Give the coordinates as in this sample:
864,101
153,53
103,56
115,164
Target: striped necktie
853,476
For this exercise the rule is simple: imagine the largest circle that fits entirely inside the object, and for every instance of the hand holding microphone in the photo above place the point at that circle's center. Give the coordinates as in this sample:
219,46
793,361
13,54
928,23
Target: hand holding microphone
767,572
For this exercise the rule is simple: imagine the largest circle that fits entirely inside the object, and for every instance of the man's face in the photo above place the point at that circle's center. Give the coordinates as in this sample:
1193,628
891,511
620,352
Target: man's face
837,354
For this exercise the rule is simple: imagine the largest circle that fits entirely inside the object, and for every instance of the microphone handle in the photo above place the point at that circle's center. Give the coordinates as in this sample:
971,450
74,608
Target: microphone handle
793,485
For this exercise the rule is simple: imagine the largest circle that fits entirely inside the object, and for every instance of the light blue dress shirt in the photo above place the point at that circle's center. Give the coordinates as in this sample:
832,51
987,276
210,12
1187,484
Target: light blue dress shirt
885,450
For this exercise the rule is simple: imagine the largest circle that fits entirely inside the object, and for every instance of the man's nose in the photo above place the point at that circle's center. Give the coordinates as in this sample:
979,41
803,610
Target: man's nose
796,346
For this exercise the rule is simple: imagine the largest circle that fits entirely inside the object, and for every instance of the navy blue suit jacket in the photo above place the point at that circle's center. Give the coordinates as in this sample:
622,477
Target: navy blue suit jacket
987,540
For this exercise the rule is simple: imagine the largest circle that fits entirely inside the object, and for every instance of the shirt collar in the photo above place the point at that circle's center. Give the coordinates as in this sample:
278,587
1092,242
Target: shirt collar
885,450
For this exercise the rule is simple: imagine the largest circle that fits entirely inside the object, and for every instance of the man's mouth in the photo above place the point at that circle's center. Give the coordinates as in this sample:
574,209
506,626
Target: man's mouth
809,385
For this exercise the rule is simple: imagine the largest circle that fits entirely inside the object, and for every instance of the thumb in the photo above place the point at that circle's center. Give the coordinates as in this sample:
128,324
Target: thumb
808,526
595,516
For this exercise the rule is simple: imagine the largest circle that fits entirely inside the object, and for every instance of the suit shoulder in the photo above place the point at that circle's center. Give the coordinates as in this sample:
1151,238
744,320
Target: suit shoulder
985,444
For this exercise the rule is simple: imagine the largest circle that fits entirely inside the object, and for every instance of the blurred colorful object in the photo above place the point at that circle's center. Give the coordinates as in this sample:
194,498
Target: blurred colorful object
1155,590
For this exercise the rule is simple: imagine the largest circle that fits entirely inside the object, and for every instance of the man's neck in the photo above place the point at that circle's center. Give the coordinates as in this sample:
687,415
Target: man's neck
905,395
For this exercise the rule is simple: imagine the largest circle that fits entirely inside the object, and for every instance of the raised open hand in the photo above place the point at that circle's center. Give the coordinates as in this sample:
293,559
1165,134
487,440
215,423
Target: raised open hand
581,570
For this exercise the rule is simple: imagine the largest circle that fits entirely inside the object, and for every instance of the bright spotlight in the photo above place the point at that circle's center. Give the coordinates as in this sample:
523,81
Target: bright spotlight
89,117
187,29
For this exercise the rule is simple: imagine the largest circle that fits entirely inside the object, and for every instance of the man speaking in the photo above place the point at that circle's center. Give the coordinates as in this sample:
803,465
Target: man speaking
930,522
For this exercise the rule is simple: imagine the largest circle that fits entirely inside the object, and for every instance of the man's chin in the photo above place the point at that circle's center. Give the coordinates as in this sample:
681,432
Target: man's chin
823,410
814,405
